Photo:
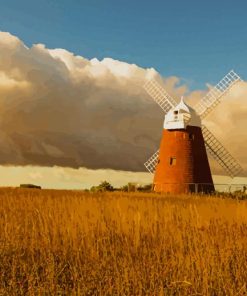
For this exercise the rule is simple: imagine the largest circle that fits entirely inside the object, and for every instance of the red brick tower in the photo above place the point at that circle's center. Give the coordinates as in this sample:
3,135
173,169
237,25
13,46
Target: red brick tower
183,163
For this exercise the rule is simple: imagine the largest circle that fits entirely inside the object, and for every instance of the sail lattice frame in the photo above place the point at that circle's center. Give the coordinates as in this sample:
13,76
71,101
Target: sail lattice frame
213,97
219,153
151,163
160,96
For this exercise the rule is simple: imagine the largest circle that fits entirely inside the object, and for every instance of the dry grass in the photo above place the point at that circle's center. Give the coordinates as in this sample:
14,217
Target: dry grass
76,243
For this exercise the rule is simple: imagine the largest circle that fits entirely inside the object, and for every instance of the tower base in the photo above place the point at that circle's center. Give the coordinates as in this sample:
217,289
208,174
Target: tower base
184,188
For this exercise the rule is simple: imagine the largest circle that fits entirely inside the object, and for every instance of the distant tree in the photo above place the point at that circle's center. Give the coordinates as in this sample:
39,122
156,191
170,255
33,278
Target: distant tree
30,186
103,186
93,188
132,187
125,188
146,188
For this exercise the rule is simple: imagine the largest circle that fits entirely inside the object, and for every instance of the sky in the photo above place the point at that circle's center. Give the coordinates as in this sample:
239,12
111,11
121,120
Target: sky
72,106
198,41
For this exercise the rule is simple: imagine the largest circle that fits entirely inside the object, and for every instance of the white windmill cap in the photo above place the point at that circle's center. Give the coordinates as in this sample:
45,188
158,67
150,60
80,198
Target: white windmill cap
181,116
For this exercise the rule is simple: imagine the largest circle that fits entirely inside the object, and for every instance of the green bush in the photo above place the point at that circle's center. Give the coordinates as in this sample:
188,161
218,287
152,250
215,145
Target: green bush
30,186
103,186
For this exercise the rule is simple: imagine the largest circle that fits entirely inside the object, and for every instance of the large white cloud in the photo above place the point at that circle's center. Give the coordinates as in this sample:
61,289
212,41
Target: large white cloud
60,109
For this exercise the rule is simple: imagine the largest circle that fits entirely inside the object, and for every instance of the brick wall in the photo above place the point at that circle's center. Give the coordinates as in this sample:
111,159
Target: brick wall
182,160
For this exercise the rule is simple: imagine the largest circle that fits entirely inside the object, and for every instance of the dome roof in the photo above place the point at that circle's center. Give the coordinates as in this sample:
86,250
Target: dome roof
181,116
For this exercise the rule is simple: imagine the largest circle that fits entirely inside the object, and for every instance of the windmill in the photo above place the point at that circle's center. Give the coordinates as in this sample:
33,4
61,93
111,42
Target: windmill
181,164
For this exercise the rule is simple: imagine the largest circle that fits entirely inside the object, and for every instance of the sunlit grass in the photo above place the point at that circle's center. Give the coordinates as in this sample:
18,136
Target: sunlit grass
78,243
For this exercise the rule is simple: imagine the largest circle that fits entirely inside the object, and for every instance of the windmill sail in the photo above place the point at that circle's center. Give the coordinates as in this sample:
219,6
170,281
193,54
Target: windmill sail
161,97
213,97
219,153
151,163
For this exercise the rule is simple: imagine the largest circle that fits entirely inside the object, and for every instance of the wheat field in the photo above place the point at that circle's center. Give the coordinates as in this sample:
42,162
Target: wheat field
77,243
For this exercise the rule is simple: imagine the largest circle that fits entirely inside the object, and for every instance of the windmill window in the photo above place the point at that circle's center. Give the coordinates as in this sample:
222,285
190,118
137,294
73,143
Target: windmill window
191,136
173,160
175,112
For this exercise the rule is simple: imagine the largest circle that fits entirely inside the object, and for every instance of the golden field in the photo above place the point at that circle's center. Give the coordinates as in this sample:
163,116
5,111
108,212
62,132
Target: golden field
79,243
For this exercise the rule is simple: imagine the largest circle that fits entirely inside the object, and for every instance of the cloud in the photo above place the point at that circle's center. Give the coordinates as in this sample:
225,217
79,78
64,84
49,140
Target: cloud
65,110
69,178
